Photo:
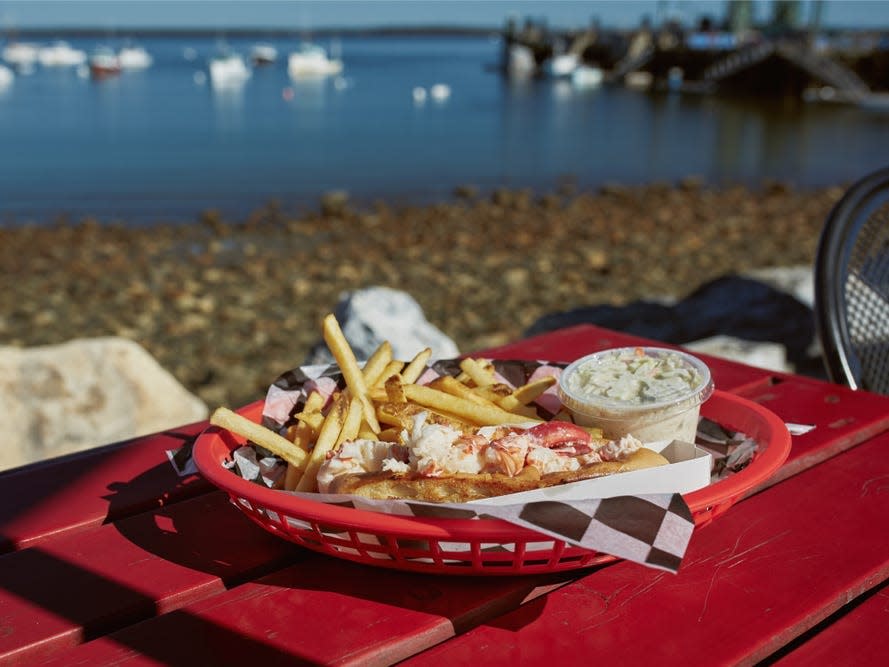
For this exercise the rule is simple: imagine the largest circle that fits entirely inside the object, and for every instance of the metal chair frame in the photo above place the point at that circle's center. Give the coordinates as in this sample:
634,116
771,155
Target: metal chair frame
852,286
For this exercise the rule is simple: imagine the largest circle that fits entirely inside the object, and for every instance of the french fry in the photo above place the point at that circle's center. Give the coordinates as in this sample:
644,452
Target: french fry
394,367
526,393
417,365
395,390
377,363
303,435
377,394
478,373
450,385
526,410
352,422
493,392
256,433
530,391
462,408
390,434
327,437
345,358
314,402
313,419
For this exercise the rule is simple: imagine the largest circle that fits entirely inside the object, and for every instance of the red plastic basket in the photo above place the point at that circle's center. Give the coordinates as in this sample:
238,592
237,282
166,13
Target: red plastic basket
468,546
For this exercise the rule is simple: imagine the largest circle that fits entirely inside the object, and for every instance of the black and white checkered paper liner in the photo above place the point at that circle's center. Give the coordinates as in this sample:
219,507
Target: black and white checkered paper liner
650,529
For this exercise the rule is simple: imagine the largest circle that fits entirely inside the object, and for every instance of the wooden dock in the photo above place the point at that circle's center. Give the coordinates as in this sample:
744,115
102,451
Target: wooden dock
787,65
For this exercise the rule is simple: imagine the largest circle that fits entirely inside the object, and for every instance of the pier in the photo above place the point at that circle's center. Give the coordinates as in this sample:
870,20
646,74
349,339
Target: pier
731,56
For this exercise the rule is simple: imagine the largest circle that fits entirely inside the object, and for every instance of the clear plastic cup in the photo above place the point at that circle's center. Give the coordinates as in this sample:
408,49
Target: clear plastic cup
651,393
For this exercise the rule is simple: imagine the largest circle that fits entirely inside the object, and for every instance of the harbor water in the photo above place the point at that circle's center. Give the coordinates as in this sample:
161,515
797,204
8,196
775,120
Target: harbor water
164,144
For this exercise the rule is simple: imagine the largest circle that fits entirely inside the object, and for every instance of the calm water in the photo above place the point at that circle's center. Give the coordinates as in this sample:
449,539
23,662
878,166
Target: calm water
157,144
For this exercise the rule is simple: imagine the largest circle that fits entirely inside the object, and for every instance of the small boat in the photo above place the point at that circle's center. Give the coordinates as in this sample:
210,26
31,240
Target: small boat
104,63
21,54
563,64
134,57
312,60
60,54
228,70
586,76
521,62
263,54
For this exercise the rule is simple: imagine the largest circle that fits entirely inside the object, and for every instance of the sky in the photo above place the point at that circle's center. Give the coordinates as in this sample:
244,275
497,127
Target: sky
317,14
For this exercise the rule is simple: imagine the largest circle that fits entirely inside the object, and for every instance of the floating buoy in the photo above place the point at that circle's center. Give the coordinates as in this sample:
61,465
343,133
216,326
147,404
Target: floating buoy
440,92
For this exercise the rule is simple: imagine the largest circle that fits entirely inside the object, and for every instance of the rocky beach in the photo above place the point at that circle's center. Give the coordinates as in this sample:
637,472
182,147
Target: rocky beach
226,305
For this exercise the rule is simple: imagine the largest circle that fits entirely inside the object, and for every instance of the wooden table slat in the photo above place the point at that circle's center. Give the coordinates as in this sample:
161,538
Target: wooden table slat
321,611
841,416
89,488
77,586
857,637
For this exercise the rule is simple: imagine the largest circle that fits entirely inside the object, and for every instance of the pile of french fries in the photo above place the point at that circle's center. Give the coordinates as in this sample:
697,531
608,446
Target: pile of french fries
379,401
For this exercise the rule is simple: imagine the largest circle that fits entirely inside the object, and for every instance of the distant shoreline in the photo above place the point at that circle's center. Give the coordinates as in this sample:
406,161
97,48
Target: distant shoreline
241,210
12,34
268,33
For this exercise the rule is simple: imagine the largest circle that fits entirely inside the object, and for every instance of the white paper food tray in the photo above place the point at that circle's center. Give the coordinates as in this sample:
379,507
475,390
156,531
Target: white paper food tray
688,471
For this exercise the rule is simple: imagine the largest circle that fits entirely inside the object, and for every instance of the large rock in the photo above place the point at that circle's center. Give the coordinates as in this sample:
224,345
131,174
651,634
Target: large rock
64,398
376,314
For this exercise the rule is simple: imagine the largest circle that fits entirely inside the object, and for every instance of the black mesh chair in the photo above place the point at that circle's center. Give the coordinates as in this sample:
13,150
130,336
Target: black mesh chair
852,286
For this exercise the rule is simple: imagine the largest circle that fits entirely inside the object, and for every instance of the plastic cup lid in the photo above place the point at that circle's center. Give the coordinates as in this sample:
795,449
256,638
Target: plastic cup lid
615,362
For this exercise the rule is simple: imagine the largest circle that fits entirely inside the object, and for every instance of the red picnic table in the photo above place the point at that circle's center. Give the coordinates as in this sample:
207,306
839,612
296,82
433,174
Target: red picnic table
110,557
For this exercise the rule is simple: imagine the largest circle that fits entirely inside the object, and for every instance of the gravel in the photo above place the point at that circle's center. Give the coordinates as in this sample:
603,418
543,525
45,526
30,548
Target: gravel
228,305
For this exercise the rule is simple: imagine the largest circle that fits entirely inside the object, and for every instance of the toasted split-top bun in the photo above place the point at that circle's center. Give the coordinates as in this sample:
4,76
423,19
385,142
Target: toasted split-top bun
463,487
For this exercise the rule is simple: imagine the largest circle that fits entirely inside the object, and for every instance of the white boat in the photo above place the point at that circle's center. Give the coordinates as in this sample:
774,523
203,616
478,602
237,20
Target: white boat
104,62
563,64
6,77
20,54
585,76
311,61
263,54
521,62
134,57
60,54
228,70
